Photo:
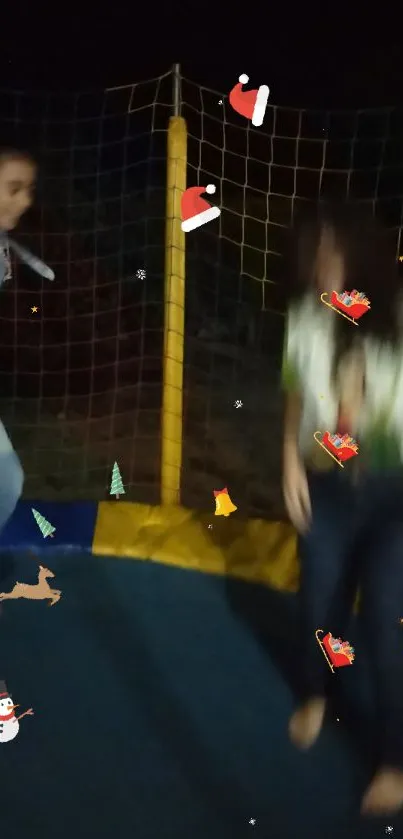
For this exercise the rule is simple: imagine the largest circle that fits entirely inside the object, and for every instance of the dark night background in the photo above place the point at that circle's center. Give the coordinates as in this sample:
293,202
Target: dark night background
312,57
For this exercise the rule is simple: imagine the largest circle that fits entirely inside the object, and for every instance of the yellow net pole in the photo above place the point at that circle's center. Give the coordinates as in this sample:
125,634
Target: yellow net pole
174,315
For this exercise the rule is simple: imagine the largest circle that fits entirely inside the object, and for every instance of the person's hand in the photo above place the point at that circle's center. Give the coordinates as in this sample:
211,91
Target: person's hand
296,490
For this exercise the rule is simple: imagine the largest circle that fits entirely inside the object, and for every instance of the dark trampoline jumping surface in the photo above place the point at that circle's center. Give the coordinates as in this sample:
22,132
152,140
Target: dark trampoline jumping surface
161,698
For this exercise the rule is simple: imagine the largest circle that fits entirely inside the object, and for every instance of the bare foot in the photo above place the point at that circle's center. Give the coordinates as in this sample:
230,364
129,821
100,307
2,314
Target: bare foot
385,793
306,722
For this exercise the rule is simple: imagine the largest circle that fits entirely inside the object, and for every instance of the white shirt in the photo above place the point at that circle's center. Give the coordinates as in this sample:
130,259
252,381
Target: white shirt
308,353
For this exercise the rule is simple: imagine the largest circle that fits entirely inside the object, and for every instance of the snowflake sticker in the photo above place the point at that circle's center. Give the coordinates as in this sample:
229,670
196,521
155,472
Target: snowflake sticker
141,274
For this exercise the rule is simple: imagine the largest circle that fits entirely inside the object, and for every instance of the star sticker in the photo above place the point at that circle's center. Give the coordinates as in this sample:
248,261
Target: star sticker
252,821
34,309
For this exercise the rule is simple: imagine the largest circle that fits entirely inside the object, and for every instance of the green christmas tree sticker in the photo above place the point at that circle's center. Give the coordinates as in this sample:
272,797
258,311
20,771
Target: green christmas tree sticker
44,525
117,487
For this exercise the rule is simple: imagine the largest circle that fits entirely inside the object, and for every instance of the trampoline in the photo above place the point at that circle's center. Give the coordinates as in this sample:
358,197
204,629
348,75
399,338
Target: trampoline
161,698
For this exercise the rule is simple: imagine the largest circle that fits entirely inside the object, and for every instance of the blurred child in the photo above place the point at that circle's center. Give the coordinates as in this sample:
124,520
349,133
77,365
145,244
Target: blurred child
17,184
349,379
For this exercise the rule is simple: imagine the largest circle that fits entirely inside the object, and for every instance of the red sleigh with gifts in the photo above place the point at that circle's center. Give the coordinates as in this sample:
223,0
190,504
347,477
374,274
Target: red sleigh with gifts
350,304
337,653
341,447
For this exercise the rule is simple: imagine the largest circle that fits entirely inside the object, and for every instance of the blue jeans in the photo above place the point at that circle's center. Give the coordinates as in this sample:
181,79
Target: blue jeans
11,484
356,540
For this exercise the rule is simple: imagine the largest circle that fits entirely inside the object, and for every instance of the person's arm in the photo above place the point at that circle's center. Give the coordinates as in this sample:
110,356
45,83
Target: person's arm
293,399
292,418
295,482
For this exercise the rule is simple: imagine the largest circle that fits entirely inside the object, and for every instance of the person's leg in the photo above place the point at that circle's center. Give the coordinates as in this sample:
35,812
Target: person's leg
11,484
326,594
381,610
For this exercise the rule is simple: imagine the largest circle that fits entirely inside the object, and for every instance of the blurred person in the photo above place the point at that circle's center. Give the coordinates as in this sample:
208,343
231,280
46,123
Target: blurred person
17,184
346,378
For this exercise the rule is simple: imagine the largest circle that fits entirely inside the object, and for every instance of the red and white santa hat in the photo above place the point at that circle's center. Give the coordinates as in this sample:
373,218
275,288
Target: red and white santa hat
249,103
195,211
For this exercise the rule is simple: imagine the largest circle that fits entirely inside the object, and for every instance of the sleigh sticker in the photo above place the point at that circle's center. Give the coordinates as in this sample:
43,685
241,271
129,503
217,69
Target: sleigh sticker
337,653
349,304
341,447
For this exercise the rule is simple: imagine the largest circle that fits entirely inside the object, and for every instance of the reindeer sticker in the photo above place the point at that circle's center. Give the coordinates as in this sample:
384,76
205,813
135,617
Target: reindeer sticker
40,591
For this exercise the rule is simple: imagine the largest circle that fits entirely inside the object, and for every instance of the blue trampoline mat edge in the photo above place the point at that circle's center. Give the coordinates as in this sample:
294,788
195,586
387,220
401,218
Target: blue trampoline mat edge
255,550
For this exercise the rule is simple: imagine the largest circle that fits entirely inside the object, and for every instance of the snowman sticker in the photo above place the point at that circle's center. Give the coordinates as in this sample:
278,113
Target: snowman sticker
9,723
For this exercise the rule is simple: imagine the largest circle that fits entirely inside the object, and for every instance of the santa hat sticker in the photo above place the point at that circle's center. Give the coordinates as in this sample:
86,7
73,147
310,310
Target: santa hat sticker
249,103
195,210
